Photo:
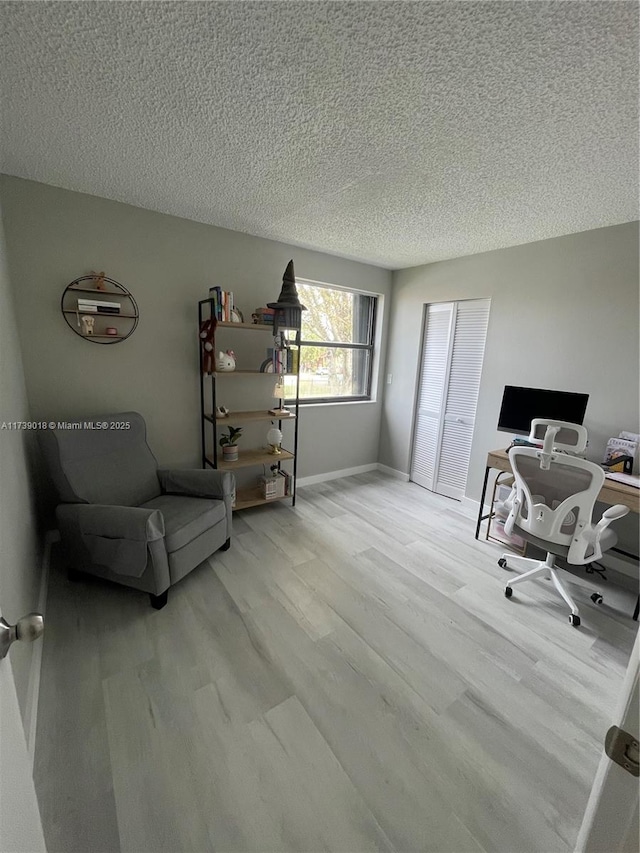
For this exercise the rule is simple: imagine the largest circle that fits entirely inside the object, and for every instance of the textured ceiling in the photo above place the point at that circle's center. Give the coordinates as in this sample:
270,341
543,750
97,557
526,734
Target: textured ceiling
397,133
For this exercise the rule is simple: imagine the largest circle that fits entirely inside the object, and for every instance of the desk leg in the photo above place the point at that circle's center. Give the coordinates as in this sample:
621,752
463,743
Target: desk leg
484,492
633,557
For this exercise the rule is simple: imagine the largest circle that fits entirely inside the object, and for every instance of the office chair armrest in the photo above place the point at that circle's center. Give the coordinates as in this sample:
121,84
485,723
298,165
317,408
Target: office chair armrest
609,515
614,512
197,482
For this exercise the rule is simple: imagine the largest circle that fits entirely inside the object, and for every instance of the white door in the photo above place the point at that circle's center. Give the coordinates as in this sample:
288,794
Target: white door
20,827
431,391
452,354
610,822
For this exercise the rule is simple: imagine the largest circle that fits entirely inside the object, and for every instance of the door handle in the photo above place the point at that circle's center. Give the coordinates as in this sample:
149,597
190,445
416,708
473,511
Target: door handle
27,629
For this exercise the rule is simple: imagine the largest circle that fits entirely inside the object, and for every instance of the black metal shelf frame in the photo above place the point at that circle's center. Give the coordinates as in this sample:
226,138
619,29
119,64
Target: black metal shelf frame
205,309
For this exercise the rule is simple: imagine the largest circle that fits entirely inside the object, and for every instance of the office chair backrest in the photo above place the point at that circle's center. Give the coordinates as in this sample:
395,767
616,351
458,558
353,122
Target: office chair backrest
554,499
569,437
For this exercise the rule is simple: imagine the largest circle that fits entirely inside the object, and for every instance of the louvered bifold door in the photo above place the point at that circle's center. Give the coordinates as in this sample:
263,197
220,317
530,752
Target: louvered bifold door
467,353
436,349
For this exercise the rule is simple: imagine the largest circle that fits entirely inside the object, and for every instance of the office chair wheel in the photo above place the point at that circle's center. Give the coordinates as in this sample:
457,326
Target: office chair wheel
502,563
575,620
596,598
508,592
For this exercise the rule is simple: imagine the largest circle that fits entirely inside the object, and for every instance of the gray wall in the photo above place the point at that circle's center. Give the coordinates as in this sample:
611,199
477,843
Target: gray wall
564,315
20,552
55,235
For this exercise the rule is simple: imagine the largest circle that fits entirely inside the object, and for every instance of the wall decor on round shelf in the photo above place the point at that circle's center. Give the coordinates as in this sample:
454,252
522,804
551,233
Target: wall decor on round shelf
99,309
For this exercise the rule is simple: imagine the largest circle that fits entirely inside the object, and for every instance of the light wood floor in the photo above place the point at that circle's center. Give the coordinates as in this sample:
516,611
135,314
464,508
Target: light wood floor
348,677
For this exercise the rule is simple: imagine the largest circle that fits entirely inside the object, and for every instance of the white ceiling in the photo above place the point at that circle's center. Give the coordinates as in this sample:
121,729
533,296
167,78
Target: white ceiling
396,133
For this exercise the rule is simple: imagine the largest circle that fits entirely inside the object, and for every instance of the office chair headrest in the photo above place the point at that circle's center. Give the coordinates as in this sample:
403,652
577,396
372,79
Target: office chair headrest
570,438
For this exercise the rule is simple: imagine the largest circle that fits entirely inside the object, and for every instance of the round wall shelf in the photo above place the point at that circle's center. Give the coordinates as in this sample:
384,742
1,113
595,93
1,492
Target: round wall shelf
111,322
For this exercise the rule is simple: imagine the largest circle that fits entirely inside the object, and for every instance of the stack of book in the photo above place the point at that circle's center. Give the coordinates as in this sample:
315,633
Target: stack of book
93,306
264,316
291,360
223,304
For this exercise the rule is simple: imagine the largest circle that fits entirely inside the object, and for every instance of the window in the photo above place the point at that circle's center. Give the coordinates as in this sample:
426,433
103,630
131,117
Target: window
336,352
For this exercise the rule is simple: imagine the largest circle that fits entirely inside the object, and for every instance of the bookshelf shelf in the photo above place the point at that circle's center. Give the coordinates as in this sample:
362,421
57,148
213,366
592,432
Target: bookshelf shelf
247,417
113,316
249,458
246,498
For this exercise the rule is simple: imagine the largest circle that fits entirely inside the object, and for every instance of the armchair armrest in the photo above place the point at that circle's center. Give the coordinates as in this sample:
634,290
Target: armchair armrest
115,522
121,539
197,482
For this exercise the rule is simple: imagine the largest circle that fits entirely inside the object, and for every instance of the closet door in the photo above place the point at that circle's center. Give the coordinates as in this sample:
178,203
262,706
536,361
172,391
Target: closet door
472,319
436,349
448,395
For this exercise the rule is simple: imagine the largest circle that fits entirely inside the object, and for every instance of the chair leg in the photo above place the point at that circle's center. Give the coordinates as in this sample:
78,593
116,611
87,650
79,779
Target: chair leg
539,570
516,561
226,545
563,592
159,601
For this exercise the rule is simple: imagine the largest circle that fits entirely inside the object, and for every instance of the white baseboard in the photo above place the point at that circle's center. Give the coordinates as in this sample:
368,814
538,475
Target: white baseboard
471,503
336,475
393,472
33,688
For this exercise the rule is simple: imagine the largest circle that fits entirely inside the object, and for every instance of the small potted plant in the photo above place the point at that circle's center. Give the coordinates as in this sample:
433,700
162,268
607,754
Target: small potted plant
229,443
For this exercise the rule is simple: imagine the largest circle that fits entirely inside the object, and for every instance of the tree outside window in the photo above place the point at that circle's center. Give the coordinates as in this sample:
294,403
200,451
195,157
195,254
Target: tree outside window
336,344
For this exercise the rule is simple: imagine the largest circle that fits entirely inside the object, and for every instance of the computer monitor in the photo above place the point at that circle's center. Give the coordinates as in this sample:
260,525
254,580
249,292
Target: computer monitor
521,405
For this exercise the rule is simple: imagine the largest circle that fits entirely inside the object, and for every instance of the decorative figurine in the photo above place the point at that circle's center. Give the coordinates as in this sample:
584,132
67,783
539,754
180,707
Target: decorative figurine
87,324
226,361
98,277
222,412
207,332
288,309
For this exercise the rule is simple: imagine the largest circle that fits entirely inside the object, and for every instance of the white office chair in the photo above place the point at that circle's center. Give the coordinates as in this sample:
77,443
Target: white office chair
551,506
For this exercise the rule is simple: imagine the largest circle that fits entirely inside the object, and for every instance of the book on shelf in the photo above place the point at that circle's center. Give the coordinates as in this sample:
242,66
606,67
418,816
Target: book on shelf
223,304
264,316
94,306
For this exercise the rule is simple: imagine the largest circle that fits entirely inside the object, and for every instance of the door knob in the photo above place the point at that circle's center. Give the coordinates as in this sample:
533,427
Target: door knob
27,629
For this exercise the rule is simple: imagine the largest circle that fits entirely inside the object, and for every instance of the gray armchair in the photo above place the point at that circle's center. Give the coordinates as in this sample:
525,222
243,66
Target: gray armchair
122,519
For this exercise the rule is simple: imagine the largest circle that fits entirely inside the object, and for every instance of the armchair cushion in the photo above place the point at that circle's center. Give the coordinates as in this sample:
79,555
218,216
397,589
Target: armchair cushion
185,518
